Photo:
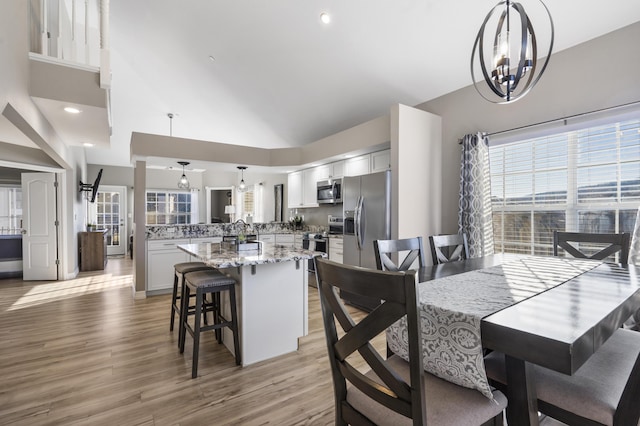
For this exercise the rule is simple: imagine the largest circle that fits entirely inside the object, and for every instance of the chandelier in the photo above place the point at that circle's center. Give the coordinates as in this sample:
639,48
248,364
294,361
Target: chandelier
513,69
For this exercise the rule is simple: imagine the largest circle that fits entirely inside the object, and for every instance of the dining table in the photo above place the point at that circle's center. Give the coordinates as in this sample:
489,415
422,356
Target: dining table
553,312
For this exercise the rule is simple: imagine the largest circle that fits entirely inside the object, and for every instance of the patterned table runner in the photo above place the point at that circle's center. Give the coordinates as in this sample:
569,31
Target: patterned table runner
452,308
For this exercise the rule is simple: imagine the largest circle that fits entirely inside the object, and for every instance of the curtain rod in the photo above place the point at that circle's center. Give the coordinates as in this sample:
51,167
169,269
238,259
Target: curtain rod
560,119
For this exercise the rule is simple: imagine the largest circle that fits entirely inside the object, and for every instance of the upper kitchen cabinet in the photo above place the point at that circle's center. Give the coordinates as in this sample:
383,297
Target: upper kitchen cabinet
323,172
338,169
380,161
294,191
309,187
302,189
357,166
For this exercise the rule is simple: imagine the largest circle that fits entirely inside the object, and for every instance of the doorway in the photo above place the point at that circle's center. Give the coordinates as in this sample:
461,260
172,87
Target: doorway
109,212
217,198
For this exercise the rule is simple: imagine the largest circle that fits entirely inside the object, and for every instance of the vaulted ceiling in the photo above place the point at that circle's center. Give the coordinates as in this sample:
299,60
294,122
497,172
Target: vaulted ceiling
270,74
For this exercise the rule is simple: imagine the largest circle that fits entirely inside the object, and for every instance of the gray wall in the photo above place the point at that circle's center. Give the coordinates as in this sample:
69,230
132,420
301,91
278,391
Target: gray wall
599,74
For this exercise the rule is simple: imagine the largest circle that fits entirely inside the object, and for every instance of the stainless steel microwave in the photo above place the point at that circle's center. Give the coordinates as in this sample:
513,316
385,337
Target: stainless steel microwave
329,191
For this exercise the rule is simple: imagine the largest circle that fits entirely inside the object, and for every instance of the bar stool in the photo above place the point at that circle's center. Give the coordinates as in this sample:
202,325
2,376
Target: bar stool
181,269
203,283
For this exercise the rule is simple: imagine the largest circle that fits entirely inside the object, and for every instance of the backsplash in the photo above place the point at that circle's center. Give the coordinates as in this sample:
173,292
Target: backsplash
165,232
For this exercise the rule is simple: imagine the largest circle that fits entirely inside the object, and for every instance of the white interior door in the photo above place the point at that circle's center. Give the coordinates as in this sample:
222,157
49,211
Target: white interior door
109,212
39,239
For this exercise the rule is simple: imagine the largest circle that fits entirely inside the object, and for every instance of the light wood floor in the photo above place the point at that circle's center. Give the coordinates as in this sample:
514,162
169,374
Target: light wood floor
84,352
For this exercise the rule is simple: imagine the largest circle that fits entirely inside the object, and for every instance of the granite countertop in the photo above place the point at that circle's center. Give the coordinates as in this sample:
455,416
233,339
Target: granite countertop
216,255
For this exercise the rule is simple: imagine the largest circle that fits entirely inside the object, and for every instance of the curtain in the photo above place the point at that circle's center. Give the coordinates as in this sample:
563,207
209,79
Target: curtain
475,214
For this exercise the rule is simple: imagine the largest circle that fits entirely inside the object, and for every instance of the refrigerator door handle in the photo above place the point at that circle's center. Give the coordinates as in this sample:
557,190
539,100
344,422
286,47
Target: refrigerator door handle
356,223
361,219
334,193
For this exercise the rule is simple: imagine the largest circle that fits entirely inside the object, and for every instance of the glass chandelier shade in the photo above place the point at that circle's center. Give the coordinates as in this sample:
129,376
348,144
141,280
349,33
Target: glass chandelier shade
242,187
509,65
183,183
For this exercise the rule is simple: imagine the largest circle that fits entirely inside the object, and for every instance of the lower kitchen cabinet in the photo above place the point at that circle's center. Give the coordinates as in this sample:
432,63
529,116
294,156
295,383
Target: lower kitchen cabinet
335,249
285,239
161,256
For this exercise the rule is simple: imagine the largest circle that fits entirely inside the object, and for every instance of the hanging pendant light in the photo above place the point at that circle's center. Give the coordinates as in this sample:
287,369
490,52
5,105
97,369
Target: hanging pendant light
242,187
513,70
183,183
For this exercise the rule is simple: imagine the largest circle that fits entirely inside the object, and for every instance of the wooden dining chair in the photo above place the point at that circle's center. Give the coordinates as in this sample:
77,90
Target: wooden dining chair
605,245
392,391
383,250
448,248
604,391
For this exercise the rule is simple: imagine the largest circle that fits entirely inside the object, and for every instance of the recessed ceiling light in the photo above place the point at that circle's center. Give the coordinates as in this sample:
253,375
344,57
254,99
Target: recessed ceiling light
211,58
88,144
72,110
325,18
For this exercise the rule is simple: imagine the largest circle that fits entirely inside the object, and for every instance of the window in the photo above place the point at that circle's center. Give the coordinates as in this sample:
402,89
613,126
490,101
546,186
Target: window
581,181
250,203
170,208
10,210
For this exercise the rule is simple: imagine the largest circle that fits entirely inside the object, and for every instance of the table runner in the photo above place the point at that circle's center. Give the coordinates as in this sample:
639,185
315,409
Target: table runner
451,310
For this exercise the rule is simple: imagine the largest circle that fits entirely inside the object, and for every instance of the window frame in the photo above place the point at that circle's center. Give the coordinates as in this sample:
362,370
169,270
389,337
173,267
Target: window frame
572,205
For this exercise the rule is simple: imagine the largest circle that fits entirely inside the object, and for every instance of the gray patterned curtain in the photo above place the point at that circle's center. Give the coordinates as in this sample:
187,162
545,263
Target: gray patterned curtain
474,214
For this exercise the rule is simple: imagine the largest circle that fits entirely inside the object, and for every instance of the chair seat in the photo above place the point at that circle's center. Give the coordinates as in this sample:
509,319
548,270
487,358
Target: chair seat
595,389
186,267
208,279
447,403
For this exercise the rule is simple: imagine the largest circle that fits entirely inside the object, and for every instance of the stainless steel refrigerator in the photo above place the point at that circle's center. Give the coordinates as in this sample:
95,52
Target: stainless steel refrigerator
366,204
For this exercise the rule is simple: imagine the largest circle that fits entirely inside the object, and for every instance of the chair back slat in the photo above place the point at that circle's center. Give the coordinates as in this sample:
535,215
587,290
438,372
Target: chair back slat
448,248
613,243
384,248
397,291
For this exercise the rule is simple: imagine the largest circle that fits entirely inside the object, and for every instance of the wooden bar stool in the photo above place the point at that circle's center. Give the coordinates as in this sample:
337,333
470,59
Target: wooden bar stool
202,283
181,269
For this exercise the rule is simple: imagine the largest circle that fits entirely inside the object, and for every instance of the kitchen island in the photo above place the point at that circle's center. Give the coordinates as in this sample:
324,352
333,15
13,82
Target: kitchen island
271,293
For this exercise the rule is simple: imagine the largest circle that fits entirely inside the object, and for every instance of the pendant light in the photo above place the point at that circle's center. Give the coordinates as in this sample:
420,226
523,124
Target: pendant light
183,183
510,69
242,187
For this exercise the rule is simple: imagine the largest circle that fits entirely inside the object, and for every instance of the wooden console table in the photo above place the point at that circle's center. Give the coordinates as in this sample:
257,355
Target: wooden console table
92,250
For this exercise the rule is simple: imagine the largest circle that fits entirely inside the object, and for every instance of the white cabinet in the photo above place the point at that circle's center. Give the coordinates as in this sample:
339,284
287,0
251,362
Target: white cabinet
357,166
380,161
335,249
285,239
323,172
294,191
309,188
206,240
267,238
338,169
161,256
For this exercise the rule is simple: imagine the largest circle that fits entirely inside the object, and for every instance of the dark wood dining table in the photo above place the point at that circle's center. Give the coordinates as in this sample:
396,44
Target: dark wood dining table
558,329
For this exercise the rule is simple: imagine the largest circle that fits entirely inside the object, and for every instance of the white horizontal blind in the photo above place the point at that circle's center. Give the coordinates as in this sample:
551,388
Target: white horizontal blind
584,181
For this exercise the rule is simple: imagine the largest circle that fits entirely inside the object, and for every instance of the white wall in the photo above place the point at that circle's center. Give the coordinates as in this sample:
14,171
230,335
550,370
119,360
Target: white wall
598,74
416,142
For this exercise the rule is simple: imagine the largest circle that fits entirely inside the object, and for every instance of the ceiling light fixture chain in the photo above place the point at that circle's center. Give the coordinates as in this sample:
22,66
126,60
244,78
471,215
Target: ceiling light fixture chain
513,44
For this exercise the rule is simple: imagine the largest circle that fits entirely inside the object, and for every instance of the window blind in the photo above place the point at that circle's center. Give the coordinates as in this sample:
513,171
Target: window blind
587,180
